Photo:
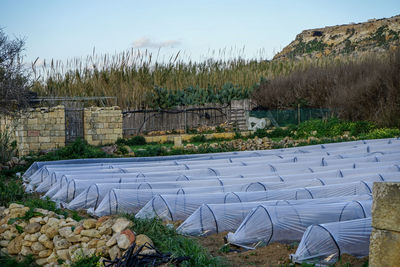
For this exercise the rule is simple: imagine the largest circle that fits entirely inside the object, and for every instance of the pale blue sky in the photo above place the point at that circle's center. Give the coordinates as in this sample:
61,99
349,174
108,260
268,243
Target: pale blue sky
66,29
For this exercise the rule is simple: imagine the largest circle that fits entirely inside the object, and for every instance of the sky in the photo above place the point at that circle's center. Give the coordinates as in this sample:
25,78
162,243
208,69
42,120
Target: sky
61,30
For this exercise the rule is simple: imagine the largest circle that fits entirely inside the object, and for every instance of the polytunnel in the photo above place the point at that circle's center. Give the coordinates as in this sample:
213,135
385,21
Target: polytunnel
154,160
215,218
170,206
325,243
188,199
76,187
285,224
95,193
180,207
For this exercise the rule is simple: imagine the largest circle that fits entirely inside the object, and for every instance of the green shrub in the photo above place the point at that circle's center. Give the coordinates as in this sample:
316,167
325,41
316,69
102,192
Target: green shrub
92,261
10,191
260,133
137,140
382,133
361,127
198,139
8,261
279,132
7,147
78,149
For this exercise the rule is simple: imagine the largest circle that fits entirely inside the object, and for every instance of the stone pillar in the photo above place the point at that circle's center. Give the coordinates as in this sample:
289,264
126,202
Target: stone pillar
385,237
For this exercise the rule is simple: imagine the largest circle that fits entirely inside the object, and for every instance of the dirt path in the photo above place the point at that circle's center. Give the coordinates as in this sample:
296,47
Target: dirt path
275,254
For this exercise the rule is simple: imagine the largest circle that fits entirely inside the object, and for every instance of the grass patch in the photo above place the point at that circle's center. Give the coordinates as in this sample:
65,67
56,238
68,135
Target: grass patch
167,240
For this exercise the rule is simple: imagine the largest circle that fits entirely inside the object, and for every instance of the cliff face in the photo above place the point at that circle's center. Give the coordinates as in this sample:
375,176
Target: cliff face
372,36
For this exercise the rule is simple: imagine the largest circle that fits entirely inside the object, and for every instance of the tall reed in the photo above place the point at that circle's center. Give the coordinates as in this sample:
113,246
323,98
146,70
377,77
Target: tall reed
130,74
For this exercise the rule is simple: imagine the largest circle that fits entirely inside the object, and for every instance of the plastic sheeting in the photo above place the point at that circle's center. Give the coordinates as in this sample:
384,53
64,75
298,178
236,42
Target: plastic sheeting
215,218
131,200
76,187
170,208
325,243
267,224
374,146
95,193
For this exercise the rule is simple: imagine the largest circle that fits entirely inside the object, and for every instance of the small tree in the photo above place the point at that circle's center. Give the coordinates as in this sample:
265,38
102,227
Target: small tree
14,91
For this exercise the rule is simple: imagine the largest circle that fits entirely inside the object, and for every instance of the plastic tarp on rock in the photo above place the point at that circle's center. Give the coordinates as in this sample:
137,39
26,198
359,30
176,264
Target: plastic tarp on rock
267,224
215,218
325,243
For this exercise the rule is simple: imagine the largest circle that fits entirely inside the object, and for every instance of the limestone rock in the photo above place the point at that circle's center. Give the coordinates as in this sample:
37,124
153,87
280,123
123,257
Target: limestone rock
82,252
63,254
45,253
8,235
44,239
27,243
74,238
113,240
25,251
384,248
121,224
32,228
91,233
386,206
4,243
123,241
65,231
17,212
41,262
130,235
15,245
114,252
78,230
37,247
53,222
89,223
141,240
60,243
93,243
52,258
50,231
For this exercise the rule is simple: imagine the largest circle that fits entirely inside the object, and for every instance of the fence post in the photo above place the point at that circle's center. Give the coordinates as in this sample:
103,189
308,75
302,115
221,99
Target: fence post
298,114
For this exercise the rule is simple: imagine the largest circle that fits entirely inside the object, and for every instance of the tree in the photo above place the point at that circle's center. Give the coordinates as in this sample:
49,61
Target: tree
14,82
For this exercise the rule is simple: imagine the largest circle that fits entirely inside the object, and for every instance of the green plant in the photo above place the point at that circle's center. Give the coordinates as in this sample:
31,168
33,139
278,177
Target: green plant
8,261
7,146
260,133
198,139
10,191
382,133
167,240
137,140
93,261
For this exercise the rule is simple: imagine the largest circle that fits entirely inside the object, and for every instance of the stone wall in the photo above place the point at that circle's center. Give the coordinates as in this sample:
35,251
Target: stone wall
38,129
385,236
102,125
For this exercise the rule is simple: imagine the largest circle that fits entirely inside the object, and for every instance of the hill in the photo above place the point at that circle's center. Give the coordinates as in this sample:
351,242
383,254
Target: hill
375,35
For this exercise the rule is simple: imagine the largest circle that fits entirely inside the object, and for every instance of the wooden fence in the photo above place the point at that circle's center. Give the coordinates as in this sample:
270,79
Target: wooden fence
140,121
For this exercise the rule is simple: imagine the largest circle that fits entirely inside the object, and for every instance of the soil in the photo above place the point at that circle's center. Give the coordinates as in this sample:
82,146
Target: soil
275,254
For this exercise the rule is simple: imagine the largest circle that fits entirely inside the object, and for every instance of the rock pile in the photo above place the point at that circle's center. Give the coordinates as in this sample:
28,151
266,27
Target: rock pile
14,161
54,240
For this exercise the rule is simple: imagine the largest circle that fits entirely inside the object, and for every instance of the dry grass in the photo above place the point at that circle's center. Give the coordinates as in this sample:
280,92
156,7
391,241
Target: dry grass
129,75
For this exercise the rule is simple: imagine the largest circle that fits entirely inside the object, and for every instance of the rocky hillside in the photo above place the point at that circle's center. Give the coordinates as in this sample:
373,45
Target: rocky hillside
372,36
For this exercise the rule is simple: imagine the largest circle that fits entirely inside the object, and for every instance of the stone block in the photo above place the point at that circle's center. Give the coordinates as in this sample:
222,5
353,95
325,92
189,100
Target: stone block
33,133
386,206
384,248
44,139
